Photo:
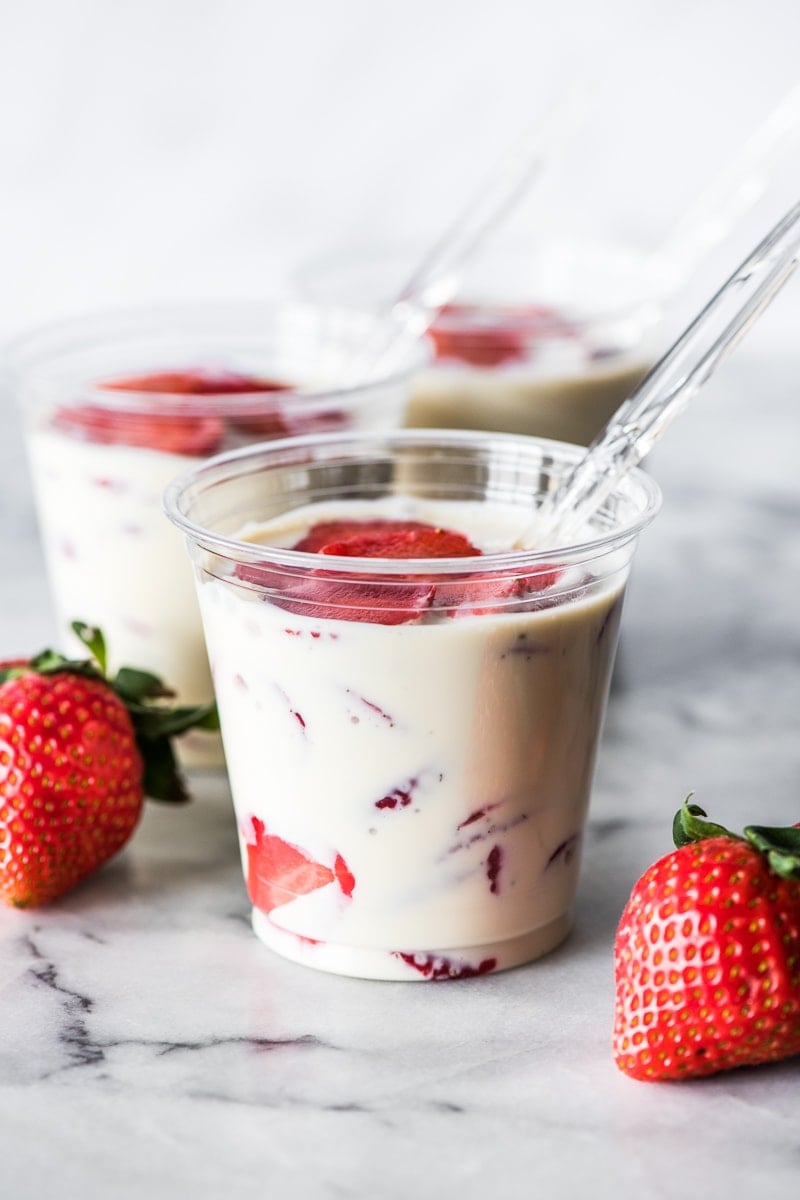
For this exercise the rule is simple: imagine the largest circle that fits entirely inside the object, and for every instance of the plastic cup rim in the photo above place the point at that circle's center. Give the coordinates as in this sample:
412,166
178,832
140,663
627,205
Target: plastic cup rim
239,550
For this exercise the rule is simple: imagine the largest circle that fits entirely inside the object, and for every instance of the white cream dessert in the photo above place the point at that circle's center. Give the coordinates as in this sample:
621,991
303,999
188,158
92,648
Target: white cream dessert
410,758
546,335
99,470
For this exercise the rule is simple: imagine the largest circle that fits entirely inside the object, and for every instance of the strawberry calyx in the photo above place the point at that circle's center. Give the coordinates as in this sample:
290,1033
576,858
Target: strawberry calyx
155,722
780,845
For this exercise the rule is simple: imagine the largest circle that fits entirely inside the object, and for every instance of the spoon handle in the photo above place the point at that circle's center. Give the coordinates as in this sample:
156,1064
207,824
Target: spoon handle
436,278
676,378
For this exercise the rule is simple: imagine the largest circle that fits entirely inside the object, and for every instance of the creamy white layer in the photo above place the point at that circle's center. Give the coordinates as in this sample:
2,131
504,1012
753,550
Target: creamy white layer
113,557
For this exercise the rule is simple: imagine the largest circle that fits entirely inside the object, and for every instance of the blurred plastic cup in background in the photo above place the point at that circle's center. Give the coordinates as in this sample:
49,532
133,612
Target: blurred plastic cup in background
545,340
114,406
410,743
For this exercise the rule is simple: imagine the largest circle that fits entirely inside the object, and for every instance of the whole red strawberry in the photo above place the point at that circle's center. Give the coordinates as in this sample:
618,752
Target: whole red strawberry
78,754
707,954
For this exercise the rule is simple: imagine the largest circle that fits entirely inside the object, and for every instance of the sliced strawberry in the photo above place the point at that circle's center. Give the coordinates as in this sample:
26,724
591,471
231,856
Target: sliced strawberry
489,337
476,595
543,577
278,872
285,422
277,421
195,381
324,532
392,600
381,601
261,425
190,435
322,595
424,542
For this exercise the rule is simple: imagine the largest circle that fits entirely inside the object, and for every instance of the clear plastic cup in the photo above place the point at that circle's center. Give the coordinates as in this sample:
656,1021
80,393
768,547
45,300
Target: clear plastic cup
115,406
410,744
545,339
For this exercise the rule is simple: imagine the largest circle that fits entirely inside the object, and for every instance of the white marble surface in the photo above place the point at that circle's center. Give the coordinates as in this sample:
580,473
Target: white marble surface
149,1045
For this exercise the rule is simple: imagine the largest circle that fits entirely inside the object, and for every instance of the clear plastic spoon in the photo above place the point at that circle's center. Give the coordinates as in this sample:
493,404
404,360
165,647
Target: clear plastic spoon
437,277
662,396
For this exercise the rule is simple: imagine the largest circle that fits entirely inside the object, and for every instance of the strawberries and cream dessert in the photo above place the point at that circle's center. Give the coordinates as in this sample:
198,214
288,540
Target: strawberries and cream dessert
104,442
100,470
545,335
410,711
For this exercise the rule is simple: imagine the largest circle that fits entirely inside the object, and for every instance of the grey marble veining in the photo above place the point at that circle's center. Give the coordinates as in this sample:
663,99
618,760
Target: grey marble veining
151,1046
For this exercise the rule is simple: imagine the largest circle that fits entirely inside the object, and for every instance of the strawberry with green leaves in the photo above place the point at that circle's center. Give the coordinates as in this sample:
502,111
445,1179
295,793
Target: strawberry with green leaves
78,754
707,954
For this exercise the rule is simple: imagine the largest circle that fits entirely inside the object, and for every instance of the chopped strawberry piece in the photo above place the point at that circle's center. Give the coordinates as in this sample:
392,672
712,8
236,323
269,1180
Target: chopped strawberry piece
487,338
185,434
196,381
437,966
543,577
344,876
278,872
494,862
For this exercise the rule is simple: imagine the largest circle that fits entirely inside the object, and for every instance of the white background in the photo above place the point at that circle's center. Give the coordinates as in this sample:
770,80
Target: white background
161,149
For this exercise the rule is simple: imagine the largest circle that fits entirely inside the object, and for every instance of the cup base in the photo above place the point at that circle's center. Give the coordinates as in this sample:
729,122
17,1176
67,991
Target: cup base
420,966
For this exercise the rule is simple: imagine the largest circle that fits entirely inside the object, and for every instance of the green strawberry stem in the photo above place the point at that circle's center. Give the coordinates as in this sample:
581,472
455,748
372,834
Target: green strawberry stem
155,723
688,825
780,845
